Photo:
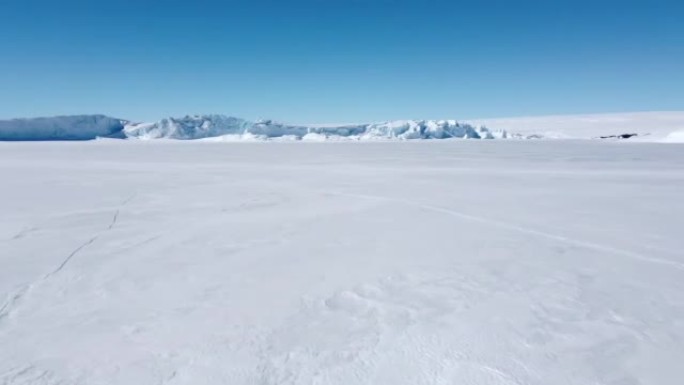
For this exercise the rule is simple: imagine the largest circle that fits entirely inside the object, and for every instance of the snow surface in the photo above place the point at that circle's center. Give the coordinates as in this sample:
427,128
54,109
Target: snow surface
675,137
651,126
450,262
78,127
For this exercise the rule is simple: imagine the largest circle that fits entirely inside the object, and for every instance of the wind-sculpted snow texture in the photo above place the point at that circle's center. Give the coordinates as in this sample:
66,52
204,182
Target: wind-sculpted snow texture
395,263
208,126
80,127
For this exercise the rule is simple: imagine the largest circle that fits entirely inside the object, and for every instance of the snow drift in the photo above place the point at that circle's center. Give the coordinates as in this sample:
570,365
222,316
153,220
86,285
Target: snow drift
79,127
675,137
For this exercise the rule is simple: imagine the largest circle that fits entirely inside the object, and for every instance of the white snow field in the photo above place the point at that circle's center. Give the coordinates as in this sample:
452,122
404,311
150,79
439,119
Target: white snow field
424,262
654,126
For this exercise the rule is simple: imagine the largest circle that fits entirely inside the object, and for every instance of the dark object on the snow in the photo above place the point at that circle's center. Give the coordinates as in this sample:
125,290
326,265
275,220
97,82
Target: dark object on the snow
621,136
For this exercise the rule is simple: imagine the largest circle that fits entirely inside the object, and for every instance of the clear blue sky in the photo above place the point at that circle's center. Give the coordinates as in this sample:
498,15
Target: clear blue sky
320,61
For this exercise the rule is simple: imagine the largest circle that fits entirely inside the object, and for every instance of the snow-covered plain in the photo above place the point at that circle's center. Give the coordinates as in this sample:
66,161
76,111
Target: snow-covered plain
653,126
451,262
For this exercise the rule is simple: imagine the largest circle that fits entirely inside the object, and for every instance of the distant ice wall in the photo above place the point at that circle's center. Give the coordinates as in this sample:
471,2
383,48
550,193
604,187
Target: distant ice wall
80,127
207,126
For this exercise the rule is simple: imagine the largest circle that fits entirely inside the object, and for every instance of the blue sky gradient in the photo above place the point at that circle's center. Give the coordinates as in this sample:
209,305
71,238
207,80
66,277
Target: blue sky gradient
321,61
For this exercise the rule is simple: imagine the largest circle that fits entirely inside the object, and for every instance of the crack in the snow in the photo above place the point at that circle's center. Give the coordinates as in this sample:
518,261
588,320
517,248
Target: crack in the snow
170,377
19,294
23,233
519,228
114,219
5,309
24,375
89,242
70,256
116,214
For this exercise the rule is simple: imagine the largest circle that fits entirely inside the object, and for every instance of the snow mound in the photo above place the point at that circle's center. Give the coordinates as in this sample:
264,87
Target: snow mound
675,137
210,126
80,127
